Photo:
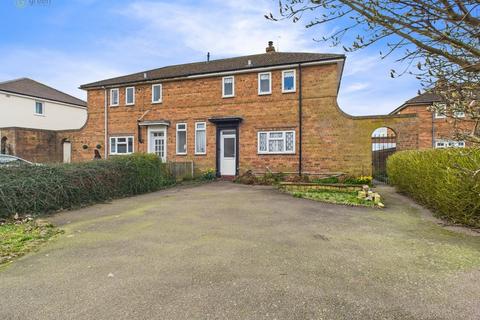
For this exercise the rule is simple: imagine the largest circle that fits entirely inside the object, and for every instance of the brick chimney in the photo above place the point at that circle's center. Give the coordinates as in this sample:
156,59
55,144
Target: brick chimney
270,48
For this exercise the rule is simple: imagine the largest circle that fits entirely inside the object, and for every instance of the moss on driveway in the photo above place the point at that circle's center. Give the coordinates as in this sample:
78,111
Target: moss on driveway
230,251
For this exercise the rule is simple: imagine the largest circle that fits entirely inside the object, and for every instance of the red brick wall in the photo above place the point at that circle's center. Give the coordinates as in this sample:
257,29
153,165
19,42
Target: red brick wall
33,145
443,129
332,140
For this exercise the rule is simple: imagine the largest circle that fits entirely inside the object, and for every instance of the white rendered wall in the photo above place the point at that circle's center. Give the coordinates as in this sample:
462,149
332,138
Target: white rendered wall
19,111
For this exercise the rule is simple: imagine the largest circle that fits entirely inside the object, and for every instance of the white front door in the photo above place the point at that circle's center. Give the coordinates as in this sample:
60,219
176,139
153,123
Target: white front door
157,142
228,153
67,152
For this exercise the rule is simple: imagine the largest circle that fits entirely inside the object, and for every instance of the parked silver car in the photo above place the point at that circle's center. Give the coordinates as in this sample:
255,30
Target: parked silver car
7,160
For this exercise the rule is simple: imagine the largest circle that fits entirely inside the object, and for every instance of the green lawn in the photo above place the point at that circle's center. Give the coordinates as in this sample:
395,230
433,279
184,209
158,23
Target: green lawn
18,239
334,196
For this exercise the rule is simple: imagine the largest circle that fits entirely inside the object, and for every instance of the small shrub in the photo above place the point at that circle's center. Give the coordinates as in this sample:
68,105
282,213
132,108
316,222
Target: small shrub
38,190
270,178
209,174
359,180
442,179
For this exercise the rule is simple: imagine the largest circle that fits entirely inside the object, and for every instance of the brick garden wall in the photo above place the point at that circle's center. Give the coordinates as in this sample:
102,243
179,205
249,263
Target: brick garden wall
33,145
332,140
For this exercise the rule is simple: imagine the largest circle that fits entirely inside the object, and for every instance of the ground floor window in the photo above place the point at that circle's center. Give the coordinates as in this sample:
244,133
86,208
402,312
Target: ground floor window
181,138
440,144
274,142
121,145
200,138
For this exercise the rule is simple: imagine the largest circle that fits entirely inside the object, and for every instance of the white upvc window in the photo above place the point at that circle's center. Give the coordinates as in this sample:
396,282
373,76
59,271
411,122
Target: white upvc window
181,138
228,87
121,145
157,93
288,81
440,144
440,110
276,142
264,83
114,97
39,108
200,138
129,96
459,114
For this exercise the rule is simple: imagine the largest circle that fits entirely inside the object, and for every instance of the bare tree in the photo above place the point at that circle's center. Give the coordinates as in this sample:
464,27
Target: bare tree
439,42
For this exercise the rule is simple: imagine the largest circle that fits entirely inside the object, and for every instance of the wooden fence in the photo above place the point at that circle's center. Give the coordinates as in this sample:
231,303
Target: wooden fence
181,170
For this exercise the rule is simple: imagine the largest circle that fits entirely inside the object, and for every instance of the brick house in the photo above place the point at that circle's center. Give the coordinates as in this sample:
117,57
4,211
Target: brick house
274,111
32,118
435,129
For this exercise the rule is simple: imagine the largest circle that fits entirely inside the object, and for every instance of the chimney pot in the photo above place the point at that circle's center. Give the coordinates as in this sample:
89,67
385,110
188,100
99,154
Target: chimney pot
270,47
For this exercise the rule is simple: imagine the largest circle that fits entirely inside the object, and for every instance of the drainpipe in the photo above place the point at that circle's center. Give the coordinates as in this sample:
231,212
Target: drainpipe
300,116
433,129
106,125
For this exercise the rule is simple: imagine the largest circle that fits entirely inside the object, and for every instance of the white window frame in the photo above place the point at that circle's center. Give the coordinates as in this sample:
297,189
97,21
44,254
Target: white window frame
284,132
294,81
260,93
196,130
459,114
126,96
42,114
161,93
444,144
111,97
233,87
186,138
440,115
116,145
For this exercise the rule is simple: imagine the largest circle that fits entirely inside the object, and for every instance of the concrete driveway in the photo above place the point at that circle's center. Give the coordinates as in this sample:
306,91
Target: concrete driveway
226,251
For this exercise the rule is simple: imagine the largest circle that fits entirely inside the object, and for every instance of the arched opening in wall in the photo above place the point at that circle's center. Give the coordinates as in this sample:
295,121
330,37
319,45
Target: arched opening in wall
384,144
3,145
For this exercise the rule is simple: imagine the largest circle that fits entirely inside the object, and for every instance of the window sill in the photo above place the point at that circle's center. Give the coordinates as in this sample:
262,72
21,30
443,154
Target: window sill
291,91
201,154
130,105
156,102
264,93
227,97
39,114
181,154
114,105
276,153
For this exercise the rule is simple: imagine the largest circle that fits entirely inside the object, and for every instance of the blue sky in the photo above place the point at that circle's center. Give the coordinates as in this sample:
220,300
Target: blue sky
68,43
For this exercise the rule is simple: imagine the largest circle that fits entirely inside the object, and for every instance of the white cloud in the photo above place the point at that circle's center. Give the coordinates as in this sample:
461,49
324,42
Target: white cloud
64,72
223,28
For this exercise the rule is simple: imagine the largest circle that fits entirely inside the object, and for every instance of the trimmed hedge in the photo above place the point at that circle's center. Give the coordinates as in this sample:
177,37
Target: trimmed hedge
41,189
441,179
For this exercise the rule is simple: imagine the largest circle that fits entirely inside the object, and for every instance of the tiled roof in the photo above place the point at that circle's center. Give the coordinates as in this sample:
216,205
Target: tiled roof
424,98
32,88
222,65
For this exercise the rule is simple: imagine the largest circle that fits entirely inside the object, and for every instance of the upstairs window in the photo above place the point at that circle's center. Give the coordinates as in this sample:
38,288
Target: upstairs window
39,108
440,110
121,145
181,138
440,144
276,142
288,81
265,83
129,95
113,97
200,138
228,87
156,93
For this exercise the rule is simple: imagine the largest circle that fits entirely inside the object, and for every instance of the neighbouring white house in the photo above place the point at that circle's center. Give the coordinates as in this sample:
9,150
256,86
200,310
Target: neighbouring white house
31,115
26,103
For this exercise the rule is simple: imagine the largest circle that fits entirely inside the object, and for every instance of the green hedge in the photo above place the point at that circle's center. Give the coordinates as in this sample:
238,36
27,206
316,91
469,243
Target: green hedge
442,179
41,189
